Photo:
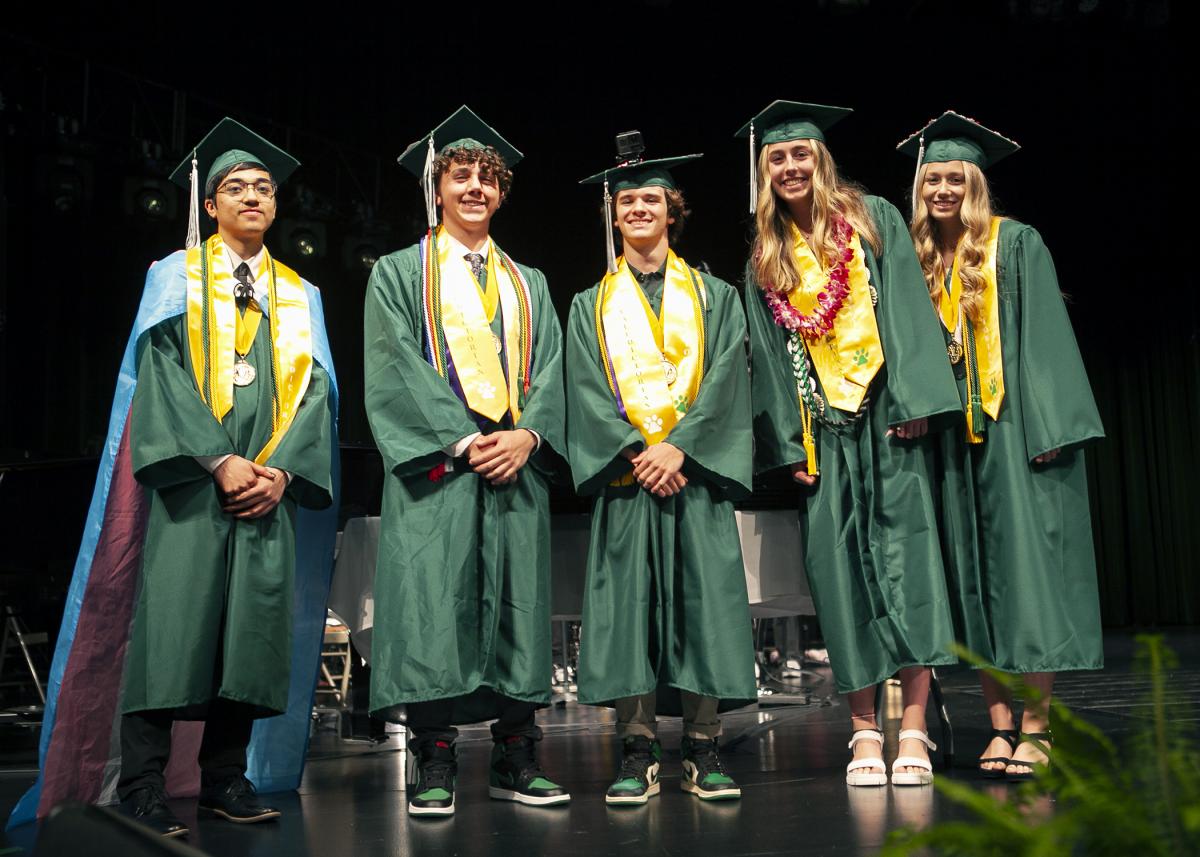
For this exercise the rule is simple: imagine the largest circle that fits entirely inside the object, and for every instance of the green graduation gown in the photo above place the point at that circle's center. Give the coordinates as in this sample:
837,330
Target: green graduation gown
869,524
214,611
462,583
1017,535
665,602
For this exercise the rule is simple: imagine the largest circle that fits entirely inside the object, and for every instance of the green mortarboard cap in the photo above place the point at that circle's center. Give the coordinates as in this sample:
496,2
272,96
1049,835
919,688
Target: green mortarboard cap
655,173
465,129
783,121
230,143
954,137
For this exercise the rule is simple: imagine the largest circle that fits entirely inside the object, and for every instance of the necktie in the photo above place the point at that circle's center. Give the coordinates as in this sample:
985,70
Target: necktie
475,260
243,292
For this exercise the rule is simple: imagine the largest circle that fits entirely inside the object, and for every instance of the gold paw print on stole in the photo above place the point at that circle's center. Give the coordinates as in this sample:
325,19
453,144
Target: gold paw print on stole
654,424
488,391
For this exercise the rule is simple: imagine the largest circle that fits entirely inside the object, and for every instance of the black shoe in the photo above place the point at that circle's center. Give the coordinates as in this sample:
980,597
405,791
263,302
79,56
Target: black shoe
148,807
517,776
434,767
235,800
638,780
703,774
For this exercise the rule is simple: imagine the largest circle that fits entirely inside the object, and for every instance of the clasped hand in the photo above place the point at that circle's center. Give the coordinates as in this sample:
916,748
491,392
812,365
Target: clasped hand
657,469
248,490
498,457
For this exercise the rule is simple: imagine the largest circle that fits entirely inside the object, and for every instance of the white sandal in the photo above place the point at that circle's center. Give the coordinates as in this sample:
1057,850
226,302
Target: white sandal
923,777
855,776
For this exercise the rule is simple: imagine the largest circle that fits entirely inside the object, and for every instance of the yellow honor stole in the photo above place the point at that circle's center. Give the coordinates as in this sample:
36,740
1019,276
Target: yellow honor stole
467,313
849,356
216,330
984,357
653,364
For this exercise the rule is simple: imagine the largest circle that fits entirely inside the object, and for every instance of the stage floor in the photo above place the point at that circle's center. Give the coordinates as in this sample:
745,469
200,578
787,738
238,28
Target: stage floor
789,761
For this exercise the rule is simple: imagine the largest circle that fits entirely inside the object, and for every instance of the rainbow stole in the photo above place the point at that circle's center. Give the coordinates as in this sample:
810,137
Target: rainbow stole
212,331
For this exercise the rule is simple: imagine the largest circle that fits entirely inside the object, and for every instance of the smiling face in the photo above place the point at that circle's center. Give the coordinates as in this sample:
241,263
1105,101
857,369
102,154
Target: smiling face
240,209
790,167
642,215
943,188
469,194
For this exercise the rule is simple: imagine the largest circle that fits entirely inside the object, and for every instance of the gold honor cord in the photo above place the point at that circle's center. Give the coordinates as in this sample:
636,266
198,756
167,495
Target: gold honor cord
850,355
469,336
985,362
215,334
656,364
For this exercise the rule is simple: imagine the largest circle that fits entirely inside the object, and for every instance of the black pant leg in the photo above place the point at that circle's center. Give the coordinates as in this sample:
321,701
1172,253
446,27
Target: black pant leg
223,748
430,721
516,720
145,748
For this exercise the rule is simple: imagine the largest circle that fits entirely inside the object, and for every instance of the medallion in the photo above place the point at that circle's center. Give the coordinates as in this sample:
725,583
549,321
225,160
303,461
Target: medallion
243,373
498,342
954,352
671,372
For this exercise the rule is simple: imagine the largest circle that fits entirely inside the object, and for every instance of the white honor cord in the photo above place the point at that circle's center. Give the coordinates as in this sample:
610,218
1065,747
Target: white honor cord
917,175
193,233
609,249
753,174
430,190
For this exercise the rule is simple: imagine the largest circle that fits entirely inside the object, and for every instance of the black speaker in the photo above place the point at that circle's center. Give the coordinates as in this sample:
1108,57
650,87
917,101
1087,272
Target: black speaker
75,829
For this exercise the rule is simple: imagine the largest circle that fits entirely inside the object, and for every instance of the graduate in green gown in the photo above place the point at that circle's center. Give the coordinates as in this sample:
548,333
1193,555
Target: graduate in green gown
1015,521
465,398
658,431
845,385
230,431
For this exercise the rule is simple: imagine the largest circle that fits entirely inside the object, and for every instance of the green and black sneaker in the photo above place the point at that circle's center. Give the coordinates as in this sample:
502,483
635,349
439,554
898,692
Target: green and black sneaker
517,776
638,780
703,774
431,790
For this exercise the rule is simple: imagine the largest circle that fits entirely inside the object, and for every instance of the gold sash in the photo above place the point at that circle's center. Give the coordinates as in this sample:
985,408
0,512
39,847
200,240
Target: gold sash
635,345
985,363
849,356
467,312
213,323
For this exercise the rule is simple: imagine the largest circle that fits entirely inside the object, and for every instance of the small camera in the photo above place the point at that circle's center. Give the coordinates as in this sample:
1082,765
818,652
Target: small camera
630,146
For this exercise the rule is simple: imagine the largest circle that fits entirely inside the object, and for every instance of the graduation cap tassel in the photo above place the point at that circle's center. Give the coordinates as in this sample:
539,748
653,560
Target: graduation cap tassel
917,174
753,174
609,249
430,191
193,233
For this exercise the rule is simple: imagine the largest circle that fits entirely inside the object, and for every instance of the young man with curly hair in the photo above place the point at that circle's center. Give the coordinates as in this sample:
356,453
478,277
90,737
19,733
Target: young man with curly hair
465,398
659,417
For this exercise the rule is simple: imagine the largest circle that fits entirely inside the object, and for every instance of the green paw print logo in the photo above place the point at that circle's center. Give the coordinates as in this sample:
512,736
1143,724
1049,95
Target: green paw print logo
992,386
681,404
860,357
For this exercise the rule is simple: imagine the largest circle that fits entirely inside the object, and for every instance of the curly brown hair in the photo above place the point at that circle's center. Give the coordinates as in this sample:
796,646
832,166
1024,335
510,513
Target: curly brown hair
490,164
677,208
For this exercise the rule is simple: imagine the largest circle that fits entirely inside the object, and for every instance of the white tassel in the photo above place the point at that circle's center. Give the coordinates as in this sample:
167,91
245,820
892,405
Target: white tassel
430,190
193,233
609,249
917,176
753,174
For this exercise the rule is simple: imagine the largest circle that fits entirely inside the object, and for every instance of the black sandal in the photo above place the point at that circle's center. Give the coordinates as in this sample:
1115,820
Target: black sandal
1026,776
1012,737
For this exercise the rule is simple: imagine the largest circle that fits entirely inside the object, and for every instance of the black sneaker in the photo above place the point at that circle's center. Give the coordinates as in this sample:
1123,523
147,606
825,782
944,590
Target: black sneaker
638,780
148,807
434,768
516,775
703,774
235,800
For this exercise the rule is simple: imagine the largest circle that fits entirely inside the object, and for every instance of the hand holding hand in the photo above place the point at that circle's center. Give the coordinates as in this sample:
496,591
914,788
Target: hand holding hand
910,430
656,466
498,457
800,474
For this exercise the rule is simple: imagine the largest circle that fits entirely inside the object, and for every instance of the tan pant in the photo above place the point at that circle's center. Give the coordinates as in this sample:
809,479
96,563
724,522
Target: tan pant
635,715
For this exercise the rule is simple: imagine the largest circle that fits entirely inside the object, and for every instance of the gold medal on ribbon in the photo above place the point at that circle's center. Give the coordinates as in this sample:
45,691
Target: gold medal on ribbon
243,373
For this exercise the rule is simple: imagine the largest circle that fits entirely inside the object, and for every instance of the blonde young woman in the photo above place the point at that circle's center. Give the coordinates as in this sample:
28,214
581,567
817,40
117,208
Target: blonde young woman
1015,525
845,385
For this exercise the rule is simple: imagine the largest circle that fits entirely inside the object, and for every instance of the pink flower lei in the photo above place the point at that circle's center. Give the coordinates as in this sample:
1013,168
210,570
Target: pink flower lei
829,301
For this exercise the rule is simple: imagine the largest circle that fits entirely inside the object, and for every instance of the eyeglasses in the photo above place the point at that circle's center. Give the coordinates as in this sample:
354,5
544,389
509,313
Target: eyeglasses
237,190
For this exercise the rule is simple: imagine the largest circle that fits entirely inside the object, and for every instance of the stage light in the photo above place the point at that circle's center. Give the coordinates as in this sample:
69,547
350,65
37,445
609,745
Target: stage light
150,198
303,239
367,242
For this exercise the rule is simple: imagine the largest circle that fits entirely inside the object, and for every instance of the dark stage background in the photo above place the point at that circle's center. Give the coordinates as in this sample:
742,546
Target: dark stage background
96,111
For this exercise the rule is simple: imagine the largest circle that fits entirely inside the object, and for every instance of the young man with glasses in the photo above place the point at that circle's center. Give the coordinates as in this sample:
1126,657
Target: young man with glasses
464,394
223,427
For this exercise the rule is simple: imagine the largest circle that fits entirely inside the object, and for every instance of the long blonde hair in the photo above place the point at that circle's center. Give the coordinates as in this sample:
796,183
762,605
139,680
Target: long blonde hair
976,216
773,262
